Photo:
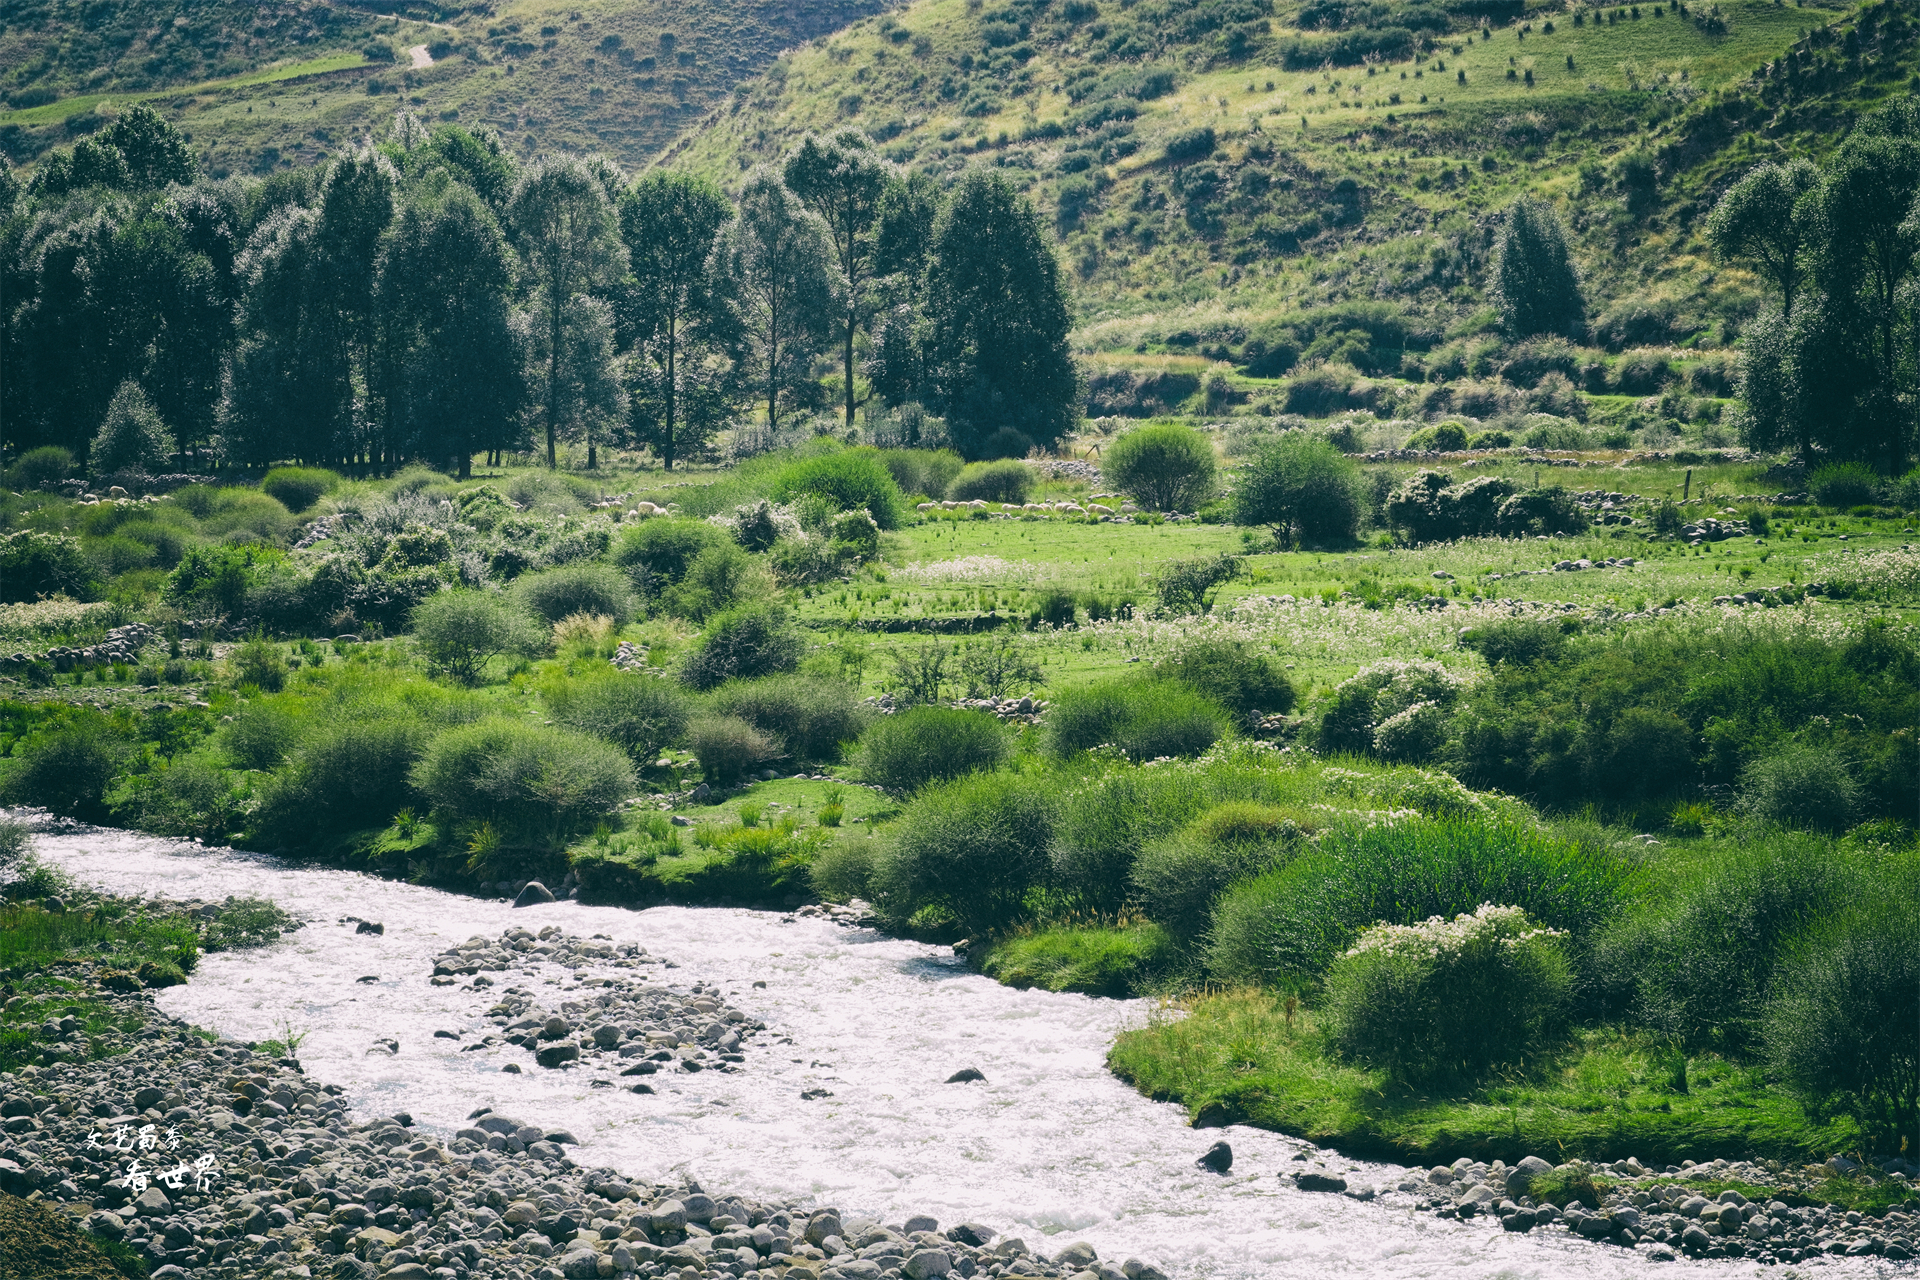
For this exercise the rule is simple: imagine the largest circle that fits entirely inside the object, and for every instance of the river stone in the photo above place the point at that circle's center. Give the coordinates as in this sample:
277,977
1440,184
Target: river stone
524,1212
105,1222
1521,1220
1218,1157
668,1215
1134,1269
1079,1256
367,1237
700,1208
555,1054
606,1035
533,895
964,1075
152,1203
856,1269
1319,1182
497,1124
581,1264
822,1225
927,1264
972,1234
1481,1195
1521,1176
409,1271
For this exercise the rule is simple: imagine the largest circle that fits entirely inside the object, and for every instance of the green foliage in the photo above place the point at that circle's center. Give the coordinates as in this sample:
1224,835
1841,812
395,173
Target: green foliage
583,587
350,775
1232,673
844,870
1520,641
259,663
1289,924
1178,879
657,552
923,745
245,923
728,748
65,765
185,796
1533,280
40,466
1431,508
926,471
1843,484
458,631
1303,489
1007,480
1801,786
974,847
1444,437
641,714
1163,467
812,717
132,437
716,579
744,643
852,478
535,785
1449,999
35,565
297,488
1396,709
1843,1025
16,847
1697,964
1187,586
1101,961
1142,719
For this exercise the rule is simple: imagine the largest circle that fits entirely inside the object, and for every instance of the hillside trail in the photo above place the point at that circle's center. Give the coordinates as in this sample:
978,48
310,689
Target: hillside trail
421,58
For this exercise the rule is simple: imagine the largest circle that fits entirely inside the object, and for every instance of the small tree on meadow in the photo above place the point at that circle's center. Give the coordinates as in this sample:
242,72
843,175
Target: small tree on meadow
1166,467
132,437
1534,283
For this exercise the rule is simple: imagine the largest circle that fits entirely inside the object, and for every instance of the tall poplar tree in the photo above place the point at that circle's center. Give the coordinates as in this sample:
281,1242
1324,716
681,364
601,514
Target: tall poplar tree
842,180
670,222
772,260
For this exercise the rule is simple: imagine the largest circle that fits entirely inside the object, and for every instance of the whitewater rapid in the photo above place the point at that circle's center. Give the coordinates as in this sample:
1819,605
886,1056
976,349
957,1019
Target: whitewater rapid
1051,1145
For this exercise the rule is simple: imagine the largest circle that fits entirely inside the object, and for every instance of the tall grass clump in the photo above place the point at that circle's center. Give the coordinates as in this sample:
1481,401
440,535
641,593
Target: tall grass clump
812,715
1448,999
350,775
974,848
923,471
533,784
744,643
1177,880
1235,675
728,748
655,553
640,714
1141,719
1286,926
66,766
1007,480
1842,1029
913,748
1843,484
851,478
459,631
298,488
582,587
1801,786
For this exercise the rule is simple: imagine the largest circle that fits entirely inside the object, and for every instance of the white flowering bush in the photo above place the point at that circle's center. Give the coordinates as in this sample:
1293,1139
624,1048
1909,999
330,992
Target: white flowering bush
1396,708
1449,999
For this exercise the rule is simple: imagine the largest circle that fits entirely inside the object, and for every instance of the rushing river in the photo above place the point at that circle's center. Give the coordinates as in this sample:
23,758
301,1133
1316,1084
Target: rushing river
1050,1145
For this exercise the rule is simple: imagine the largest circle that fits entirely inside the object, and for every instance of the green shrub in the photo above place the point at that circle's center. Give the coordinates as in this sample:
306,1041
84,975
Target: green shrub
1757,522
1302,488
350,775
34,565
844,870
214,578
40,466
655,553
728,748
852,478
1801,786
1444,437
922,471
298,488
131,436
535,785
1006,442
1549,511
974,847
16,847
1008,480
582,587
1521,641
640,714
1431,508
1233,674
744,643
1100,961
259,663
66,766
1449,999
1187,586
1394,708
911,749
1843,484
183,797
1490,440
1143,719
263,734
1698,964
1163,467
716,579
1289,924
1843,1024
811,716
1177,880
458,631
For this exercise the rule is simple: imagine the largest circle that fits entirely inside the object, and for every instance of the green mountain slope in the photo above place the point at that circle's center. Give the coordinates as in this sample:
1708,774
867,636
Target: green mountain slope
259,86
1216,167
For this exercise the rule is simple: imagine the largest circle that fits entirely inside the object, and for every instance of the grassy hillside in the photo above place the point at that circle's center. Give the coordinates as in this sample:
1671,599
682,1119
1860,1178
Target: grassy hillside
1214,166
265,86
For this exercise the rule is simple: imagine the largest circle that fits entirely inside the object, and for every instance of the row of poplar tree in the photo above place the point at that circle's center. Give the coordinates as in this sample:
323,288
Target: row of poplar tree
429,297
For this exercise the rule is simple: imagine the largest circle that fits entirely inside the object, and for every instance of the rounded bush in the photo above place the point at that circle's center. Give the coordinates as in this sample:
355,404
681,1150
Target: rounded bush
1178,880
457,631
1302,488
1444,437
40,466
66,767
1841,1024
1843,484
744,643
844,870
352,774
585,587
657,552
851,478
262,735
640,714
1801,786
1142,719
298,488
714,580
131,437
1233,674
1164,467
259,663
1449,999
911,749
974,847
923,471
811,715
535,785
1519,641
728,748
1008,480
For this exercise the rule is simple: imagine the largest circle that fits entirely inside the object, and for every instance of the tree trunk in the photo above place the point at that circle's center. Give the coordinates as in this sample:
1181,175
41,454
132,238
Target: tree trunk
673,388
849,366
